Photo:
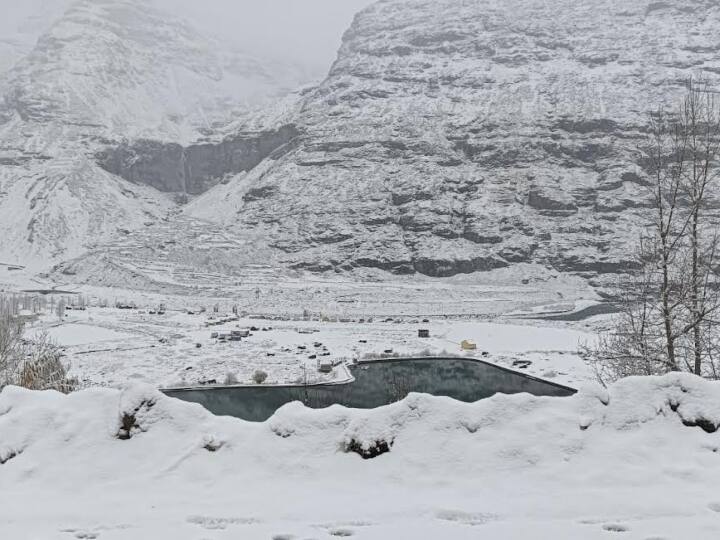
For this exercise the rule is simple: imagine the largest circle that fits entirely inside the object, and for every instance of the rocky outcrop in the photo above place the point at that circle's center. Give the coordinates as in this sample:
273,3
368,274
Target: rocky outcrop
502,131
195,168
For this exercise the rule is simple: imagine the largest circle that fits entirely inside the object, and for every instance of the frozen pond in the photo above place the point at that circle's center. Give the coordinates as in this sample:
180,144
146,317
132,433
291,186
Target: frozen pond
376,383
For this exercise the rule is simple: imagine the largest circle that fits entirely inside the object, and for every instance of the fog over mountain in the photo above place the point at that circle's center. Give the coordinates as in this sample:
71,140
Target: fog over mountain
305,32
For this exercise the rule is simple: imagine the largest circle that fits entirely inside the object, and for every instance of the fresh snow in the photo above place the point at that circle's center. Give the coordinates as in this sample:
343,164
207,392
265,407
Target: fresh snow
352,320
72,334
436,146
109,347
603,464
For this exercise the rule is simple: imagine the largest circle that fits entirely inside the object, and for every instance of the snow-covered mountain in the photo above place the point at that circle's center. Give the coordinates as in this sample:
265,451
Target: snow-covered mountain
131,71
463,135
107,78
450,136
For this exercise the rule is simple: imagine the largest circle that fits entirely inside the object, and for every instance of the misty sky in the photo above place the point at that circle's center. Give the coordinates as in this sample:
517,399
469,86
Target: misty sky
306,32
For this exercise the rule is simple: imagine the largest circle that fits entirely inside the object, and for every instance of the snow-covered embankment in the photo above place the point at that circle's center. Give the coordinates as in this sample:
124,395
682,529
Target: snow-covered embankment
641,458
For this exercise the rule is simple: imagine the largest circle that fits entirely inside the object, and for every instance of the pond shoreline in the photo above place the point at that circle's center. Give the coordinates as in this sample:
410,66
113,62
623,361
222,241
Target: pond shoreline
376,383
351,379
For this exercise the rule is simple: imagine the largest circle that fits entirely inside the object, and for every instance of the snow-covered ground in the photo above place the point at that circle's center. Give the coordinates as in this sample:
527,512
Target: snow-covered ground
351,319
630,463
110,347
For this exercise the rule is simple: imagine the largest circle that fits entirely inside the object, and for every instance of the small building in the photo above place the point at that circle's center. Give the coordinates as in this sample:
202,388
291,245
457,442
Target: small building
423,333
468,345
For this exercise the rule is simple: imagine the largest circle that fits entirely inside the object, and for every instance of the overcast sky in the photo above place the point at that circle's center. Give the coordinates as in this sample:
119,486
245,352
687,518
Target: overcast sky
304,31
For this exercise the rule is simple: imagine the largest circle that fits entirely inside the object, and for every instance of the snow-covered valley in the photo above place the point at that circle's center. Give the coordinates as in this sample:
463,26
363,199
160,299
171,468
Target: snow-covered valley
465,185
507,316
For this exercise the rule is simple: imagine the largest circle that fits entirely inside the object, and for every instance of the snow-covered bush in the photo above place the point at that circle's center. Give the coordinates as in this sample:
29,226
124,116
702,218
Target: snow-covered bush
259,376
34,364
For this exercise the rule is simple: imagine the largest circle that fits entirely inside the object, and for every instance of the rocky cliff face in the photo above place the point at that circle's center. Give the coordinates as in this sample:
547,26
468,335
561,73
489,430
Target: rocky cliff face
450,136
195,168
464,135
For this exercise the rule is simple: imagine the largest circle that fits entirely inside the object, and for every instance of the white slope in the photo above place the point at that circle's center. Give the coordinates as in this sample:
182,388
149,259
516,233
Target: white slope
630,462
61,206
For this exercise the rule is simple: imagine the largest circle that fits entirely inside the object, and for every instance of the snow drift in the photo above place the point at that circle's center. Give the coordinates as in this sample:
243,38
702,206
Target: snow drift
641,457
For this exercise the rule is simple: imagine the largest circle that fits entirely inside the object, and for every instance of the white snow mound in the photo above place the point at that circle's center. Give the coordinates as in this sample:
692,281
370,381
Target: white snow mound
434,465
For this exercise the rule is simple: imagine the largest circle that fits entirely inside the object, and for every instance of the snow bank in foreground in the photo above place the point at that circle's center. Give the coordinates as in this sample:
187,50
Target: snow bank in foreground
642,457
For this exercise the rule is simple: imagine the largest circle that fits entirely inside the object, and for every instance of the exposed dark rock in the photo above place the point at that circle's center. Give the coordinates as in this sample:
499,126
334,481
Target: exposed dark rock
196,168
518,254
541,201
576,264
259,194
399,199
371,451
130,422
452,267
600,125
8,455
479,238
706,425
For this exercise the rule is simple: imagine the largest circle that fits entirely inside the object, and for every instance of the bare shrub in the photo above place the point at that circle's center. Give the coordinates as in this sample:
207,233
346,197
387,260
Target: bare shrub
42,368
259,376
31,363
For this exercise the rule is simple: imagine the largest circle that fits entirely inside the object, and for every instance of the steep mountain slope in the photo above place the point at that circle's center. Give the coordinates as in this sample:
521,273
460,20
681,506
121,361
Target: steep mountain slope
117,76
463,135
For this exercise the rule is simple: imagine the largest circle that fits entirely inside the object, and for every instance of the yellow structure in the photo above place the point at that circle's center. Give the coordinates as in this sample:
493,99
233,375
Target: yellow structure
468,345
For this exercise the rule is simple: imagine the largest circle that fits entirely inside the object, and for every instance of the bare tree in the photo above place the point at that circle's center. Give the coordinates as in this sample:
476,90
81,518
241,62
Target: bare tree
635,344
664,244
700,122
11,347
670,301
